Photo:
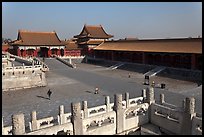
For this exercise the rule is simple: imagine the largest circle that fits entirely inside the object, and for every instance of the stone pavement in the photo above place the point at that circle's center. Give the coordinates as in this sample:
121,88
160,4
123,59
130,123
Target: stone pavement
75,85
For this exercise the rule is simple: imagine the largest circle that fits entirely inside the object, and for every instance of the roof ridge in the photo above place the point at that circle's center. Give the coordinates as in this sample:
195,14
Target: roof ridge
36,31
93,25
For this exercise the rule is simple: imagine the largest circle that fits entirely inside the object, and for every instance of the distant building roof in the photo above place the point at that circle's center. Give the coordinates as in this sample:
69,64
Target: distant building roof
37,38
71,45
182,45
92,42
93,32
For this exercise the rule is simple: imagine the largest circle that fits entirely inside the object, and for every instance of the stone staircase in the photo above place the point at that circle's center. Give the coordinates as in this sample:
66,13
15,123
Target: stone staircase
116,66
154,71
26,61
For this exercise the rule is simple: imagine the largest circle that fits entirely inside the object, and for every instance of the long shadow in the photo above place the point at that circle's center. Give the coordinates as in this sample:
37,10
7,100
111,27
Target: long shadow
43,97
88,91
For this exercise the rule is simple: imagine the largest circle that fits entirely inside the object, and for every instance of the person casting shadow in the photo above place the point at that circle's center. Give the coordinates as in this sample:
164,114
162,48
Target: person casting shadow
49,93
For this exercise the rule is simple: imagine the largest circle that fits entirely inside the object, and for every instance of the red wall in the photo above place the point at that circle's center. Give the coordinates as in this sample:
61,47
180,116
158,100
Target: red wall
72,52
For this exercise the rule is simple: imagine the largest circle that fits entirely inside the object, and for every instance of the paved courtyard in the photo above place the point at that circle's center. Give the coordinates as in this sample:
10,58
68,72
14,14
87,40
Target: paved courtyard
75,85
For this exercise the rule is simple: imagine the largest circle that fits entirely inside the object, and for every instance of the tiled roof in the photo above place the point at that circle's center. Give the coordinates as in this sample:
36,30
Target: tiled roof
37,38
184,45
93,32
71,45
94,42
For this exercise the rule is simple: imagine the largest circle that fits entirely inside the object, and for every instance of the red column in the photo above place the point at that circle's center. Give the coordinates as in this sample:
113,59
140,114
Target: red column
58,52
143,58
78,52
18,52
65,52
171,57
112,56
193,61
36,52
24,53
49,52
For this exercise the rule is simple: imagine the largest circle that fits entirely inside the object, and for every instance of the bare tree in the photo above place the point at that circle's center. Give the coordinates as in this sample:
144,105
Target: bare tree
6,40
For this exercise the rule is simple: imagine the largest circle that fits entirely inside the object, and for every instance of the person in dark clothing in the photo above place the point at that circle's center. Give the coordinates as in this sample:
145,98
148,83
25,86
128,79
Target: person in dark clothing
49,93
96,90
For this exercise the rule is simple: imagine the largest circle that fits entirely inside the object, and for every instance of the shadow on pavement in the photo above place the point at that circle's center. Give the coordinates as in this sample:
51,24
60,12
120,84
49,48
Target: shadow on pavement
89,91
43,97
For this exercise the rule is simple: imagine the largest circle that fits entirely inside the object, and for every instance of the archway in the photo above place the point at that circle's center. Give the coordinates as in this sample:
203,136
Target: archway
62,52
44,52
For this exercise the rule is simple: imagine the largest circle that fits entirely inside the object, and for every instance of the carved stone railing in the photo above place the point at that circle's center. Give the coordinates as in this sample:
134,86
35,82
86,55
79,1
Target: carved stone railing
19,77
197,125
37,61
120,117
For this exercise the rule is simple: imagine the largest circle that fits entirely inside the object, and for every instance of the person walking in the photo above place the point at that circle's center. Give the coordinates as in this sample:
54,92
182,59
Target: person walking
128,75
96,90
49,93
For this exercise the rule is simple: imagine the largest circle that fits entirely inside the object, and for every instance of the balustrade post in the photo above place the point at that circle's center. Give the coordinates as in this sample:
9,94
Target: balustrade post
118,107
189,113
61,114
150,95
77,118
13,68
107,103
127,99
44,82
162,99
85,108
150,99
34,120
18,124
144,95
3,132
183,104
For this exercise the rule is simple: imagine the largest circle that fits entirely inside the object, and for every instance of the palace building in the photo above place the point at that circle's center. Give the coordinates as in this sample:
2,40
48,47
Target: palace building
5,47
41,44
90,37
175,52
93,41
72,49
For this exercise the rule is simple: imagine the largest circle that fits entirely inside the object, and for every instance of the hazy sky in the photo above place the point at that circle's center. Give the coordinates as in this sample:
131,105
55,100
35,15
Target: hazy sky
121,19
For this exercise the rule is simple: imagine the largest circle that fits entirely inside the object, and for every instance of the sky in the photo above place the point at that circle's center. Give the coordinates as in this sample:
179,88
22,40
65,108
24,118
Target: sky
144,20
